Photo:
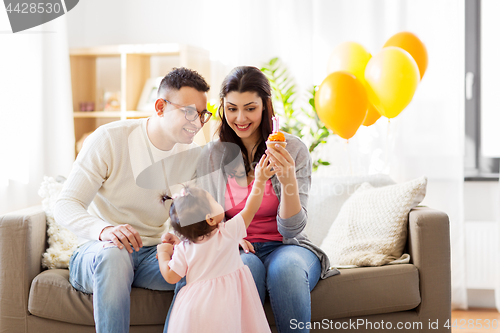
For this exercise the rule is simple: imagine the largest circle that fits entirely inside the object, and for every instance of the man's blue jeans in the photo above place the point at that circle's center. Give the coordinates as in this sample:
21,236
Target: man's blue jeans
102,269
288,274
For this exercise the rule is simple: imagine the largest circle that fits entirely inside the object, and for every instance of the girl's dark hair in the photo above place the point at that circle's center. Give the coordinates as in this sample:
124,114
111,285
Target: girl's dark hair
242,79
191,208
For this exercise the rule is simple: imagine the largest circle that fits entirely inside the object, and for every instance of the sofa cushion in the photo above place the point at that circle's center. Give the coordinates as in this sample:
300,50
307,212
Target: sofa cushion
62,242
355,292
326,197
53,297
366,291
372,226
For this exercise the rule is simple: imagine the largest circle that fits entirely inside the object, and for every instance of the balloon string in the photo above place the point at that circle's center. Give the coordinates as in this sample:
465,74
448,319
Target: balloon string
387,144
346,148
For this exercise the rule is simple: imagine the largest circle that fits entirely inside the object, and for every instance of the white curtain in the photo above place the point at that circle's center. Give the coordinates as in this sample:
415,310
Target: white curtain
427,138
36,123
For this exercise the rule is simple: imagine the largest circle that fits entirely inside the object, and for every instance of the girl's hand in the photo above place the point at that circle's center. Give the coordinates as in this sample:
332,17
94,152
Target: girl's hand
282,163
170,238
263,169
165,248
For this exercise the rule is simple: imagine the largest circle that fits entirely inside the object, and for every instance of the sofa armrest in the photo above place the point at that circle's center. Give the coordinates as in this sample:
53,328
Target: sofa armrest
429,248
22,243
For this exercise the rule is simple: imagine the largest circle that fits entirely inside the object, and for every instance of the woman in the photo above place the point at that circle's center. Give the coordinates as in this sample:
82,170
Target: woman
284,263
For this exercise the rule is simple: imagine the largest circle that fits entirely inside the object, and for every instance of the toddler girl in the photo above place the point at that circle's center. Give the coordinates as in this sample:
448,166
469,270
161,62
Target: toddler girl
220,294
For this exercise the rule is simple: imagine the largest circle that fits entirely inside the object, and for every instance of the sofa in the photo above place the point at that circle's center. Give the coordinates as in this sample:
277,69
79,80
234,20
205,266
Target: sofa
413,297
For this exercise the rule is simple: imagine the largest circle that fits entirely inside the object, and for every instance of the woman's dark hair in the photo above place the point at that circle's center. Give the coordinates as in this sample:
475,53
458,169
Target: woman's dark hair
242,79
187,214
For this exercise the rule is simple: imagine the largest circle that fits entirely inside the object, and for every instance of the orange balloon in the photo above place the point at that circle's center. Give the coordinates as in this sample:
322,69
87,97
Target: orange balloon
341,103
414,46
372,115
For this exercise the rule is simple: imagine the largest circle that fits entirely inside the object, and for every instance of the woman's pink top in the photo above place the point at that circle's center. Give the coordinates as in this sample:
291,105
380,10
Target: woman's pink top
264,227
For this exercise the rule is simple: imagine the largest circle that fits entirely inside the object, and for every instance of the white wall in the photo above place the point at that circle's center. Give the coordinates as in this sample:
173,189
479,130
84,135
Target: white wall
482,214
302,33
235,32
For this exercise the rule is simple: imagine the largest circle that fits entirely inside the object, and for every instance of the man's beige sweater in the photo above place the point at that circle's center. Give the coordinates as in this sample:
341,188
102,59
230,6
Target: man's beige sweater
119,177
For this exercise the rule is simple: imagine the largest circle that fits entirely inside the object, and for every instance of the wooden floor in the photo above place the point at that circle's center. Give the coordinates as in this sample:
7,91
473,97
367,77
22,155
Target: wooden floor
475,321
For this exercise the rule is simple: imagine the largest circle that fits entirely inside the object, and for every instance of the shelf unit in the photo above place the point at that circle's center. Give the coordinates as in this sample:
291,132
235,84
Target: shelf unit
124,68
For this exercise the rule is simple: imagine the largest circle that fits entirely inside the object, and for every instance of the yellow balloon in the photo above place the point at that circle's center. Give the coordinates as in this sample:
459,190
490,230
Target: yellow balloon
350,57
372,115
341,103
392,77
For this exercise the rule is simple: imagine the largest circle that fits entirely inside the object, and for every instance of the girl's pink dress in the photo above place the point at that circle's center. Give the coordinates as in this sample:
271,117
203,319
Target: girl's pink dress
220,294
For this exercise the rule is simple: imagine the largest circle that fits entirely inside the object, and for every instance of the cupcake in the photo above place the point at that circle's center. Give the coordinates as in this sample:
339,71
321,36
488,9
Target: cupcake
276,138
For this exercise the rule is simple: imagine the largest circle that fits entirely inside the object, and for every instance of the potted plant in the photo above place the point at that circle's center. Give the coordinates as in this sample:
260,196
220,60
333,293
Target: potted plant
300,121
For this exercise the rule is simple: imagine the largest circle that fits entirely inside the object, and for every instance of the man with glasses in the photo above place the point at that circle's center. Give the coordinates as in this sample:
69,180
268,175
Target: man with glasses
115,197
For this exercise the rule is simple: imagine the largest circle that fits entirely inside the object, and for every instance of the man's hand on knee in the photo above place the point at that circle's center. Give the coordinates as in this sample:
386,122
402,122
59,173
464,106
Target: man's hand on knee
122,235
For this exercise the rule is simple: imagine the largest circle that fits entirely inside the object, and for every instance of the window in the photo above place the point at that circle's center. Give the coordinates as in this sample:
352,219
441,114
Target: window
482,110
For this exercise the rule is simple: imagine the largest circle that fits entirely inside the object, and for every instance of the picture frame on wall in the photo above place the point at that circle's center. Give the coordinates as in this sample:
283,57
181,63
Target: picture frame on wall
149,94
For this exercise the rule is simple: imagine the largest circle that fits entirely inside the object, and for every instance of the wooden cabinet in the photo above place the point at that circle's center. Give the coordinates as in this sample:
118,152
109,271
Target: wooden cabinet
123,70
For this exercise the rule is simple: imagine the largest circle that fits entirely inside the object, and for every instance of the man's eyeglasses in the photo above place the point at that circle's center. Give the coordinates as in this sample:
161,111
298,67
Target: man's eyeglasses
191,113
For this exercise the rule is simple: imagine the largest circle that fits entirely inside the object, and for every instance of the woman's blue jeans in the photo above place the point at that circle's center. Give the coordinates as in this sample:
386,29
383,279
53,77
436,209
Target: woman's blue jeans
288,274
102,269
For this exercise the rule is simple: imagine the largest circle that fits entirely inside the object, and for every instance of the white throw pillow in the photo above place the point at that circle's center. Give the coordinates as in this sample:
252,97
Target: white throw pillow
328,195
62,242
371,228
